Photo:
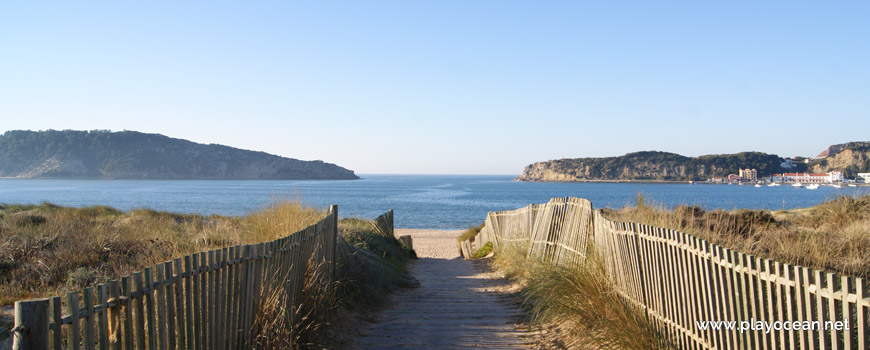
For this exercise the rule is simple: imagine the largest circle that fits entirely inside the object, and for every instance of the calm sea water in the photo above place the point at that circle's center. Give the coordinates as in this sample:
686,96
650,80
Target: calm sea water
419,201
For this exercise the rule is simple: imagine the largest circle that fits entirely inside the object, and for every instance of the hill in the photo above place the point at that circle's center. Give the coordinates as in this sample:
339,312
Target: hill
850,158
651,166
135,155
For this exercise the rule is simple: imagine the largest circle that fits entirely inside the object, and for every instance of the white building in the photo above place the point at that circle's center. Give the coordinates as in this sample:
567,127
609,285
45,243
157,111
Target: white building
809,178
864,177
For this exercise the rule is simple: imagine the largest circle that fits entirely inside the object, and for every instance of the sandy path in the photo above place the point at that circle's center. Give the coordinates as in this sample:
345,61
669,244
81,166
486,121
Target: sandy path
456,306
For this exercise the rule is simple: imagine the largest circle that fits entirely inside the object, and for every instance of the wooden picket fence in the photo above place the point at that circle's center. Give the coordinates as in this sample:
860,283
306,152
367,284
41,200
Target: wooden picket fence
206,300
680,281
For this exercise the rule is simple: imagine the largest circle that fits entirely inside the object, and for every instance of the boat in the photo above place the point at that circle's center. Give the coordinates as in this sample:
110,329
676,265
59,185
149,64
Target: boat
797,184
853,185
757,185
836,186
773,184
813,187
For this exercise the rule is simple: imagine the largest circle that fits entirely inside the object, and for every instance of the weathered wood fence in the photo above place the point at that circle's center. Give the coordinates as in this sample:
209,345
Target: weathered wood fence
680,281
206,300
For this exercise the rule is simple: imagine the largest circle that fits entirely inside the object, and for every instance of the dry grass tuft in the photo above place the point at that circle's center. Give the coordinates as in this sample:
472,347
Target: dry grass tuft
470,233
285,323
579,305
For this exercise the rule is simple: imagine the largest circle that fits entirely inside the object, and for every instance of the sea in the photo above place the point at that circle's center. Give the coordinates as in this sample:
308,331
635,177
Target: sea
418,201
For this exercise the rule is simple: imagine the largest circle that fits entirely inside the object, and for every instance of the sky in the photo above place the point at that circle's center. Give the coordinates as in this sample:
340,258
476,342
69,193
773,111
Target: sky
445,87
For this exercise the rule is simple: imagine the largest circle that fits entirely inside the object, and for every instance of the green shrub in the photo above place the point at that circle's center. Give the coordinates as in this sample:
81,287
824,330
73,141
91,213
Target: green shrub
483,251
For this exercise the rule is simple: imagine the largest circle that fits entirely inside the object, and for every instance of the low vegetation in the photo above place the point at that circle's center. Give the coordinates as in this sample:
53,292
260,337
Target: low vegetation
833,236
581,308
483,251
578,306
370,265
50,250
469,233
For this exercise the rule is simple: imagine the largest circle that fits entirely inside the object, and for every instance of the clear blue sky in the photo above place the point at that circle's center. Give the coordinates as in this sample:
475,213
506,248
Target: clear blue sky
465,87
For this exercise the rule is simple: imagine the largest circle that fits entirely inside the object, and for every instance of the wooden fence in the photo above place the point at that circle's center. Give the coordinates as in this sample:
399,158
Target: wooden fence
680,281
206,300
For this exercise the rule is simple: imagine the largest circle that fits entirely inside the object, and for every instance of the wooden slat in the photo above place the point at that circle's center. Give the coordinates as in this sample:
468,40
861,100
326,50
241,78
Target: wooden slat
789,294
103,317
168,291
179,305
801,306
833,284
779,305
128,312
232,302
196,334
249,293
811,307
772,302
72,307
821,311
160,299
88,319
745,302
847,288
115,315
211,317
188,303
223,294
56,319
150,314
139,306
203,300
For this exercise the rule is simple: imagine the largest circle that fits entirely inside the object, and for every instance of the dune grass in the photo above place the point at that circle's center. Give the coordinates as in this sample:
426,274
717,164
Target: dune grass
470,233
49,249
581,308
370,264
578,306
833,236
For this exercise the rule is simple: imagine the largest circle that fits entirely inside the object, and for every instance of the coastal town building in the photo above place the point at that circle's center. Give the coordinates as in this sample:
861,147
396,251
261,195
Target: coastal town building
863,178
808,178
733,178
749,175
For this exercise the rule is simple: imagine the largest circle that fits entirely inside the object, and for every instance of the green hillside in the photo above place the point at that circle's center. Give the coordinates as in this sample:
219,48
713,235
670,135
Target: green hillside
135,155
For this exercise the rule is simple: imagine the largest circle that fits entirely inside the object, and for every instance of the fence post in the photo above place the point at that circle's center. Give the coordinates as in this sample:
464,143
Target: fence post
31,324
334,210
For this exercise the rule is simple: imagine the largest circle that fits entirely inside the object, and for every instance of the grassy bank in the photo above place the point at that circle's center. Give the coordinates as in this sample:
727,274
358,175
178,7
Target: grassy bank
49,250
833,236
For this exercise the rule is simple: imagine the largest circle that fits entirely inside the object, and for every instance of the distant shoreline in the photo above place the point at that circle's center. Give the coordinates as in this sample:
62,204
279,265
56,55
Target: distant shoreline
161,179
615,181
655,182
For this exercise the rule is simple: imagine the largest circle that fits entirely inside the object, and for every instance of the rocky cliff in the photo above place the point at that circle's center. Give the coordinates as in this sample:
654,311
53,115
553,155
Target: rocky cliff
135,155
650,166
850,158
